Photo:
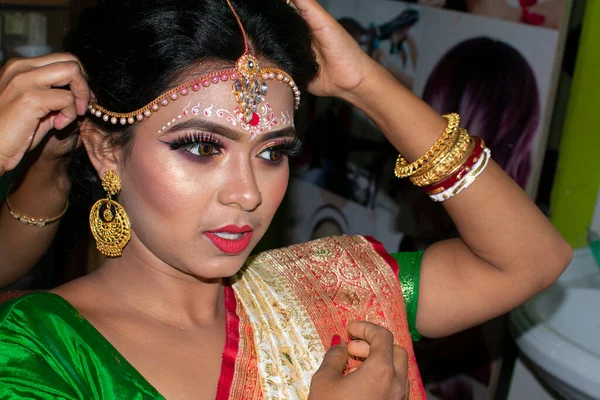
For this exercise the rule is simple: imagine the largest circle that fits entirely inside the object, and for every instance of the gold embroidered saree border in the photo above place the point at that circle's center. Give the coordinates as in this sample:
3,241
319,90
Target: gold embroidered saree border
341,279
288,348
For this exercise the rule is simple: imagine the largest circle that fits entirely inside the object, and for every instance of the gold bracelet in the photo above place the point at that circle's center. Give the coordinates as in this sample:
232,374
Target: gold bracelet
440,156
449,163
439,149
41,222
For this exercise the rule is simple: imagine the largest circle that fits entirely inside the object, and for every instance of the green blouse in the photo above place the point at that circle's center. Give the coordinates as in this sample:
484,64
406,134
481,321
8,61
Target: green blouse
410,272
48,350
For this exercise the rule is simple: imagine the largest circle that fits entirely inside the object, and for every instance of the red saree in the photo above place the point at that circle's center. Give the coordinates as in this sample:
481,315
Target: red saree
290,303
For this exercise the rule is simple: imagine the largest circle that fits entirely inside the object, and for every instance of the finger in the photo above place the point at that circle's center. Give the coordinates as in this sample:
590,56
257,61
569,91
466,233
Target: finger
358,348
16,66
334,363
41,103
59,74
316,16
30,114
400,361
381,340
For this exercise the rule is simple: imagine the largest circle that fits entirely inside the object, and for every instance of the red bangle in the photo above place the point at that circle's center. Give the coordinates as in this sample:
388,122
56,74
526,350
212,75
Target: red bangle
459,173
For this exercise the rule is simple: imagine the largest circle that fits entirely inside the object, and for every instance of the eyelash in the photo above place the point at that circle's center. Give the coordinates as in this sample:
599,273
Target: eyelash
195,140
287,147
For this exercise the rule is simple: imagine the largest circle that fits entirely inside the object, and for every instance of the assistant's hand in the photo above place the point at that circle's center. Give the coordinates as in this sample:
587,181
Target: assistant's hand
344,65
33,100
383,374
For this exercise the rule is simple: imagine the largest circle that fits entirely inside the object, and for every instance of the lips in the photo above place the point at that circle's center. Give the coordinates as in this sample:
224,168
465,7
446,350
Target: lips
231,239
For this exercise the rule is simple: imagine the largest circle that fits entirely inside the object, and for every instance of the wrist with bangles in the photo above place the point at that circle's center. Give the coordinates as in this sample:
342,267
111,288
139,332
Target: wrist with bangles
451,165
36,222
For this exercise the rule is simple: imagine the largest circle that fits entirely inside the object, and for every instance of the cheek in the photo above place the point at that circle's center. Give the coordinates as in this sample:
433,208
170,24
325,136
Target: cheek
157,182
274,186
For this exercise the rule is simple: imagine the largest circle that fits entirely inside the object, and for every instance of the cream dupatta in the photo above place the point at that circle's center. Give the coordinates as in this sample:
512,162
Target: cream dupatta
292,301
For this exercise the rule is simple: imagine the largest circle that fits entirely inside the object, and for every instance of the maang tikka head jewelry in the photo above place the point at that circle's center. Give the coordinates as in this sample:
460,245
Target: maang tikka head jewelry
249,86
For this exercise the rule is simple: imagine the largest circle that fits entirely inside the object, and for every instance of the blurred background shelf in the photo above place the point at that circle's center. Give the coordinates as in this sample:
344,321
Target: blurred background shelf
34,27
36,3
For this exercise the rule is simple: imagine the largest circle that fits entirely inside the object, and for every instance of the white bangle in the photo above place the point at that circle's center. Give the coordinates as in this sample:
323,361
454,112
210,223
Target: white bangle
466,180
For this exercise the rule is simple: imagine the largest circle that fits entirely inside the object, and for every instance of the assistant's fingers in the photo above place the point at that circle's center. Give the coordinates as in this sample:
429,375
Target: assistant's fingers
60,74
16,66
358,348
41,103
334,363
381,340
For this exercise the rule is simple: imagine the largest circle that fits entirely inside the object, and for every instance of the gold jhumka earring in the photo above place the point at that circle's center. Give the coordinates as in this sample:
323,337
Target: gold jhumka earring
109,222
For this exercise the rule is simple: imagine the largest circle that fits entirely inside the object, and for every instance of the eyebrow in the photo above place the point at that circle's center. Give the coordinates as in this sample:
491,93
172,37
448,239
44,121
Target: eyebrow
208,126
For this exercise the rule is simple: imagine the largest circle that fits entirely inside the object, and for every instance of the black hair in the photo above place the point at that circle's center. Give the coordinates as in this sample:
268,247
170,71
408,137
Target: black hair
134,50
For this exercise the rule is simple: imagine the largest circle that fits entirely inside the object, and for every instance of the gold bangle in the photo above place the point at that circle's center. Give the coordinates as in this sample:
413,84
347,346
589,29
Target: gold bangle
37,222
456,157
439,149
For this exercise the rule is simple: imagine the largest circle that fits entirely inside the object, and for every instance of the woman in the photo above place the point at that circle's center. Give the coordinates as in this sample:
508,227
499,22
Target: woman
199,192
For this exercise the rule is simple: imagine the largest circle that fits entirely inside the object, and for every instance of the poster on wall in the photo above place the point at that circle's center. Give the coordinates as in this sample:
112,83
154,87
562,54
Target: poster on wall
486,54
500,77
493,65
541,13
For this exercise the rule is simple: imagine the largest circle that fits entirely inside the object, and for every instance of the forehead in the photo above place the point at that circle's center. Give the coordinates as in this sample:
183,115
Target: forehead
217,102
216,90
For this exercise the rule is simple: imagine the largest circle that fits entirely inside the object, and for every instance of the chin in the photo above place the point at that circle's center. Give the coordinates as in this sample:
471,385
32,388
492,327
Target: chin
220,267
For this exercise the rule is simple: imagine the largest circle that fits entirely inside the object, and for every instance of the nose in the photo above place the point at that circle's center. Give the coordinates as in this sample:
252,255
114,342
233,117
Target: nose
241,190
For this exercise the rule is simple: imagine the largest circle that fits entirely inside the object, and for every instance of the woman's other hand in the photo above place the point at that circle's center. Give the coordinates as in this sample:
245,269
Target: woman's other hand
37,95
383,374
344,65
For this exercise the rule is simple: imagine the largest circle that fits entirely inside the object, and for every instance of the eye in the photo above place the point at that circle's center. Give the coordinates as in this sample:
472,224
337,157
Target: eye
200,145
203,149
272,154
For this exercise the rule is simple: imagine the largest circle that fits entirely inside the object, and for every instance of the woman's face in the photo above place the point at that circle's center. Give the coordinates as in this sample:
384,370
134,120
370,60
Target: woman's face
200,185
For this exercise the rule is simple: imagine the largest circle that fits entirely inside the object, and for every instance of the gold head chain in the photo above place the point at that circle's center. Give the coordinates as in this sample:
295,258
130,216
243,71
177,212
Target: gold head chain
249,87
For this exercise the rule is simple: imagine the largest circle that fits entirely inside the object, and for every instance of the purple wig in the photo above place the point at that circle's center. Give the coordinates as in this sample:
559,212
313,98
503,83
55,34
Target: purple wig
494,90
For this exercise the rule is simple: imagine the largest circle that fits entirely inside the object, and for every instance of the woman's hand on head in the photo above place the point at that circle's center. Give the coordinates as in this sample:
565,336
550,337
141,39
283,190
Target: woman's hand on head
382,375
343,64
38,95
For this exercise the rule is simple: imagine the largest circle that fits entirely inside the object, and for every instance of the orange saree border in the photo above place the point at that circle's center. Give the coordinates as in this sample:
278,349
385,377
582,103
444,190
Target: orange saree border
343,279
246,384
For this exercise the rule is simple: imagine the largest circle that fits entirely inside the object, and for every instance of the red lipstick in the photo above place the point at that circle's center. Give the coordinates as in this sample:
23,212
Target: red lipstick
231,239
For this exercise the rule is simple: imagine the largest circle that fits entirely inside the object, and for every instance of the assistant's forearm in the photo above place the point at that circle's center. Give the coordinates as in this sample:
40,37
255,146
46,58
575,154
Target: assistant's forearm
42,193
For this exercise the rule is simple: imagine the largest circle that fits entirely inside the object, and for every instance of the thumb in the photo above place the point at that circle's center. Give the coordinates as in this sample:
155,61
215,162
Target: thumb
335,360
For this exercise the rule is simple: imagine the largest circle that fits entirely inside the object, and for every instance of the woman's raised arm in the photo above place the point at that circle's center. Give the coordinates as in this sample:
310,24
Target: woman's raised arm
508,250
